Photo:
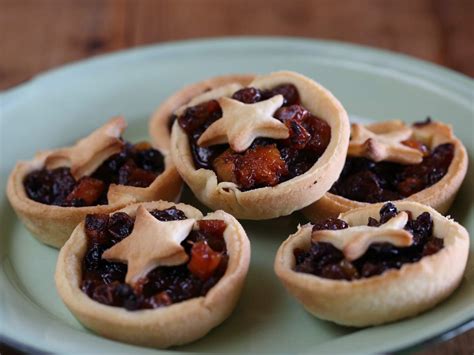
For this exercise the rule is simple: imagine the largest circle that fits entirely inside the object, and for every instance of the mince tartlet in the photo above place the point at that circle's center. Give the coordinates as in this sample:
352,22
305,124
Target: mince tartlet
55,190
155,273
390,161
375,264
257,147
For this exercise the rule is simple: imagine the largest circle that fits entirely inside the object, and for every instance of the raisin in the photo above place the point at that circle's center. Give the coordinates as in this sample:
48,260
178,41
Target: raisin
105,294
343,270
204,156
125,296
50,187
292,113
108,171
299,255
120,226
421,228
361,186
93,258
297,161
372,222
88,286
387,212
320,133
299,136
169,214
150,160
95,227
427,121
195,117
289,92
330,224
372,269
432,246
111,272
410,185
247,95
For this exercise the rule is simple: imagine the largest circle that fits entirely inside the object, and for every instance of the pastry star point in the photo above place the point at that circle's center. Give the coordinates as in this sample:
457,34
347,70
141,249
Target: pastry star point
383,146
89,152
152,243
241,123
354,241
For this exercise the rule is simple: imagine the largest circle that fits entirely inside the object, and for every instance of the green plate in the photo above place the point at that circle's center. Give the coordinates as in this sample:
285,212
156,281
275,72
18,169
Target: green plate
60,106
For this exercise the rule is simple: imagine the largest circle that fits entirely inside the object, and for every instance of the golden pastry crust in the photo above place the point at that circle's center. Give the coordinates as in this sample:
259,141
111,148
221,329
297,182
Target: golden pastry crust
53,225
176,324
388,297
267,202
440,195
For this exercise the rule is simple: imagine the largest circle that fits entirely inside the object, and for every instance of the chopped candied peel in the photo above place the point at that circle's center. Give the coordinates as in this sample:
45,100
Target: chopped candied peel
86,192
259,166
204,261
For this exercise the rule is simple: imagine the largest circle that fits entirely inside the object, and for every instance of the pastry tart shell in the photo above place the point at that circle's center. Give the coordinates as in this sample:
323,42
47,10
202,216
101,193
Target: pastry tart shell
393,295
53,225
266,202
440,195
176,324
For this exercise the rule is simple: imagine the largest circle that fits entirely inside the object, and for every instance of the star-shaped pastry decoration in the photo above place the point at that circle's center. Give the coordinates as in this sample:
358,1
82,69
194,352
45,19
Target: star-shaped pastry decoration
241,123
354,241
152,243
383,146
88,153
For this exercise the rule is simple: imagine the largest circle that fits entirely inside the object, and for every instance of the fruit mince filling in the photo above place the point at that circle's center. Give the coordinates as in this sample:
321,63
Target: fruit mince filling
325,260
364,180
267,162
135,165
104,281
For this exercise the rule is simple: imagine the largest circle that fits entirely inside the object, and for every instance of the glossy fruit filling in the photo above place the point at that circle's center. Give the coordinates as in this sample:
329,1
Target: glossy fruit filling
135,165
364,180
267,162
104,281
325,260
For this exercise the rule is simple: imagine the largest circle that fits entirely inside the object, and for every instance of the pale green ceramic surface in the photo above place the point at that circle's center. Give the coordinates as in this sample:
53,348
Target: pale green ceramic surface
60,106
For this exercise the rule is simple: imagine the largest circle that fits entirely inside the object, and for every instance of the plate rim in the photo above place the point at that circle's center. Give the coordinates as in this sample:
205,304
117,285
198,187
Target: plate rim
430,72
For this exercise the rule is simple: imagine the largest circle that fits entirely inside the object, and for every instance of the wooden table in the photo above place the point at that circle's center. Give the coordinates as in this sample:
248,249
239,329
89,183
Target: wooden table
37,35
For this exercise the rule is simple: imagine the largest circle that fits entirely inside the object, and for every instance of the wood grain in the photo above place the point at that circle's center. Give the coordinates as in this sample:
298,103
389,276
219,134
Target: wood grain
36,35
